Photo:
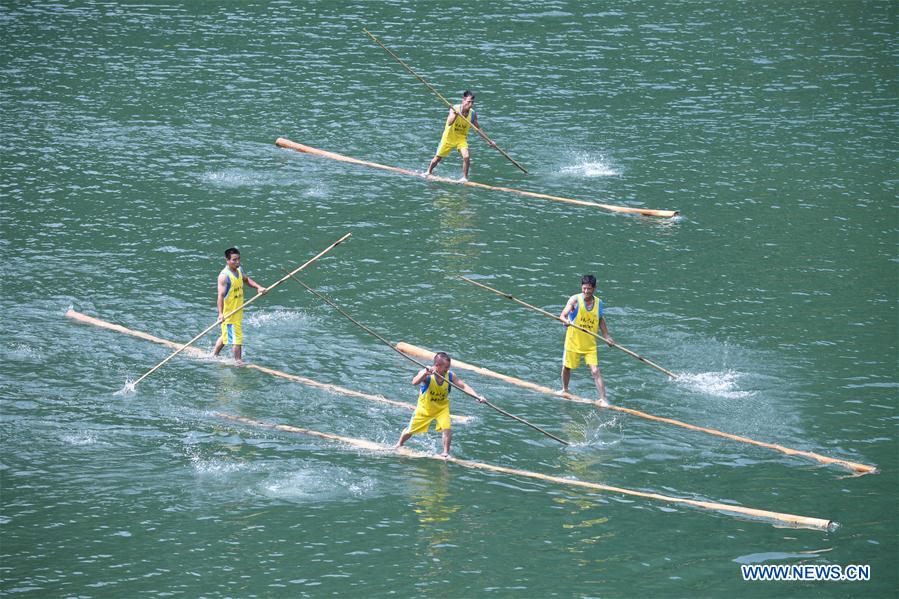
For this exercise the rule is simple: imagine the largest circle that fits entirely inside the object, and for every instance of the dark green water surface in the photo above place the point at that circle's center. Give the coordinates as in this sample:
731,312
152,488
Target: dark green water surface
138,143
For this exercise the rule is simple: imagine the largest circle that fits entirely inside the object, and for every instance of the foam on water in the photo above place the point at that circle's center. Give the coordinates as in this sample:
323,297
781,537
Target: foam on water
719,384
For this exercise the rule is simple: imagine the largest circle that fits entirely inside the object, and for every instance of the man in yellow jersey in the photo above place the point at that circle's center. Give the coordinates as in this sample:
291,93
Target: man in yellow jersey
433,385
585,311
455,134
230,296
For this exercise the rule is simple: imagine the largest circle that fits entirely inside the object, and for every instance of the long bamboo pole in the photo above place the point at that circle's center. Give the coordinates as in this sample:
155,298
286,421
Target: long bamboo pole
778,517
559,318
198,353
445,101
132,386
854,466
408,357
292,145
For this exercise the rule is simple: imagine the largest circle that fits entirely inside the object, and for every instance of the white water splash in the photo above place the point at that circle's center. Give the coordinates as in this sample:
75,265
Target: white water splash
21,352
588,166
317,191
599,429
237,178
127,389
214,466
276,316
81,438
719,384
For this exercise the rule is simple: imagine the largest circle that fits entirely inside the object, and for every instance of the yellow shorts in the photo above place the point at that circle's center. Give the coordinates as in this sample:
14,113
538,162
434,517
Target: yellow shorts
232,334
427,413
446,147
572,359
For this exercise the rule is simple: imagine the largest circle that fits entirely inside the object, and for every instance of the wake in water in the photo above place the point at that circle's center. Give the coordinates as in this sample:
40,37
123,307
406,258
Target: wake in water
242,178
234,178
317,484
718,384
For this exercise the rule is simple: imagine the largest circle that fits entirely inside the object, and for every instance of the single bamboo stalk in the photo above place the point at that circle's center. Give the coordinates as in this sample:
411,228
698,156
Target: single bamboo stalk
854,466
133,385
292,145
559,318
198,353
445,101
779,517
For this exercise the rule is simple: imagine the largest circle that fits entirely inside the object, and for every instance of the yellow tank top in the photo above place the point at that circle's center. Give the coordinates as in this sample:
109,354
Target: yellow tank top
579,341
233,295
458,130
433,392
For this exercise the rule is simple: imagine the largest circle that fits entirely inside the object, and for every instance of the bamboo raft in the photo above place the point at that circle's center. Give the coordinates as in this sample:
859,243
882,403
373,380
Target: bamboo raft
428,354
779,518
292,145
198,353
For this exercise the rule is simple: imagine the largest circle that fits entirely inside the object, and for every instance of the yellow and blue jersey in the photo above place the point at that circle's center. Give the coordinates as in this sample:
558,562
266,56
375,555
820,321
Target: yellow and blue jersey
431,391
233,295
579,341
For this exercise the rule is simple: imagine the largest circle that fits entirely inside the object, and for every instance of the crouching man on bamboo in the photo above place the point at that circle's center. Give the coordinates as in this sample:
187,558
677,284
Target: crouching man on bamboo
434,388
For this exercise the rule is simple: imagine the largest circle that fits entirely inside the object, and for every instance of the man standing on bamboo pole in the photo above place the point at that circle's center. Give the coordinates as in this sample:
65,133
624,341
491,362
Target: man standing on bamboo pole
433,385
455,134
230,296
585,311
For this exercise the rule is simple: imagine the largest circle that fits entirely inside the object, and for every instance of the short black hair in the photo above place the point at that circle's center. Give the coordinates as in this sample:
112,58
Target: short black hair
467,93
230,251
443,355
588,280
